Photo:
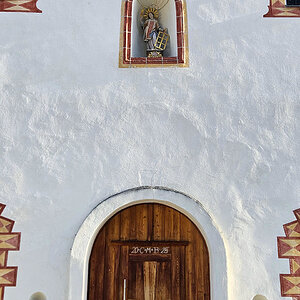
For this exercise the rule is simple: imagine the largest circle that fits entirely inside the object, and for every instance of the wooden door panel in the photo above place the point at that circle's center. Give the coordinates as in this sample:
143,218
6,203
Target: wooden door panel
163,289
181,274
149,280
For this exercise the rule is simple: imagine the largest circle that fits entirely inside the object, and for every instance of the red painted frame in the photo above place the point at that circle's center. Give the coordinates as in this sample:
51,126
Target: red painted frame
181,58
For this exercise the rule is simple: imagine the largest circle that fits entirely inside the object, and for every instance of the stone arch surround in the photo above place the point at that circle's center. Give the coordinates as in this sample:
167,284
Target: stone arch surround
193,209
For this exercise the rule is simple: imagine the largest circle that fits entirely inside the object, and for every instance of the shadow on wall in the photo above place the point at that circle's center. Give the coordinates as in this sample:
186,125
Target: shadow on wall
38,296
259,297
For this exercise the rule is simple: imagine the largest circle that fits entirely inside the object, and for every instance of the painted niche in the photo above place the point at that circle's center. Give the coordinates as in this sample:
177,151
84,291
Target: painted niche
19,6
283,8
153,34
289,247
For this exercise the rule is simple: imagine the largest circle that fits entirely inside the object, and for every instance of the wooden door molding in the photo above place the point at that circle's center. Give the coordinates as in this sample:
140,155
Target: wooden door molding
85,237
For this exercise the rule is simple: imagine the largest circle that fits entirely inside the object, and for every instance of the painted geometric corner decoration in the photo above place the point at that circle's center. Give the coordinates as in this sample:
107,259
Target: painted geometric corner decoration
9,241
290,285
289,247
19,6
278,8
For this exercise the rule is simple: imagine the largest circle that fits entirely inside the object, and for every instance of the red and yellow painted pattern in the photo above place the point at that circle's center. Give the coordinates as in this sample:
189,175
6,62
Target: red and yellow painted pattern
19,6
9,241
278,8
289,247
125,58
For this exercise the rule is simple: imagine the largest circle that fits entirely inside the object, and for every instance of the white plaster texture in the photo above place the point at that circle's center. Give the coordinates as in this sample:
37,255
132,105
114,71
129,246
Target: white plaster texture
75,129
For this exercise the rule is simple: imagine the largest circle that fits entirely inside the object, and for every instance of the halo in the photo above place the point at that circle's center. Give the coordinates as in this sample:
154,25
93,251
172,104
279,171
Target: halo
146,11
158,4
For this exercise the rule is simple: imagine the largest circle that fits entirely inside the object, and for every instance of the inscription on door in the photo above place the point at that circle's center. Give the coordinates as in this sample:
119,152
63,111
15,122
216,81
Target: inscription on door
149,252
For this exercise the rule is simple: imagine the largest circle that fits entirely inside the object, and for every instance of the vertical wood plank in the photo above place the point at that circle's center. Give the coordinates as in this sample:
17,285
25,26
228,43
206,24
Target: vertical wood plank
158,222
176,225
163,285
199,276
186,234
96,267
133,225
111,259
125,223
150,222
139,281
182,273
123,274
150,269
176,265
168,223
141,222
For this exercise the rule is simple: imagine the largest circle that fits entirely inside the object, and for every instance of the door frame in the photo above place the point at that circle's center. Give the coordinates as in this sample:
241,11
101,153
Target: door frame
194,210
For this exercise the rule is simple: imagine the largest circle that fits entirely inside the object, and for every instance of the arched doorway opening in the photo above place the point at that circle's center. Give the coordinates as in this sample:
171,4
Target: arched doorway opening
149,251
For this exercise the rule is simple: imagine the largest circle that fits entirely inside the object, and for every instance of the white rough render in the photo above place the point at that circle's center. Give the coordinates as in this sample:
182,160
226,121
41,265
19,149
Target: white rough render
75,129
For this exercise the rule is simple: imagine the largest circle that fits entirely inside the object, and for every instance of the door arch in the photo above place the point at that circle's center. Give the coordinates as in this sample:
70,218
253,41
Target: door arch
93,222
149,251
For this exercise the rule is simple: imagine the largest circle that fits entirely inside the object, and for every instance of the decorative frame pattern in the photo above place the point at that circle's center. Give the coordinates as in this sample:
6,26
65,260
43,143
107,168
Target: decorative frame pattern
289,247
9,241
19,6
125,58
278,8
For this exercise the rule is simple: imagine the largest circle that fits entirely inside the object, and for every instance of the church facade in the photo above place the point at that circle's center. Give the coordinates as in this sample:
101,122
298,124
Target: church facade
149,150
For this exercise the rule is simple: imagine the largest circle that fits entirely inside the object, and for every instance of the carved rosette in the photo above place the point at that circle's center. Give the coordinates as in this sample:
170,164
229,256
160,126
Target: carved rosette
289,247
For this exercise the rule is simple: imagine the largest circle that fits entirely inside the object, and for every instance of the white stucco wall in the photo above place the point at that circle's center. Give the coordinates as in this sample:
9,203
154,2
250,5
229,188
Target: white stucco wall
75,129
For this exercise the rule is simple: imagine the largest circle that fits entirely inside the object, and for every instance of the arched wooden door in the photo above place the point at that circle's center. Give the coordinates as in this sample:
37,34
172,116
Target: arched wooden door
149,252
